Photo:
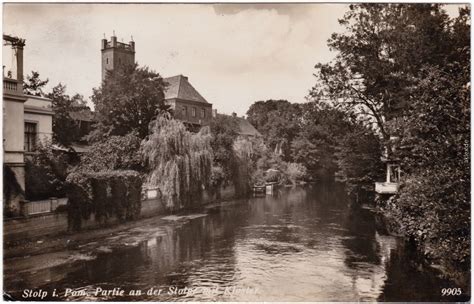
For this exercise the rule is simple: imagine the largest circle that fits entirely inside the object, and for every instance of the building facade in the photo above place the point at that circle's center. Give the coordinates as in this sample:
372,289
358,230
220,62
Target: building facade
13,111
187,104
26,121
38,117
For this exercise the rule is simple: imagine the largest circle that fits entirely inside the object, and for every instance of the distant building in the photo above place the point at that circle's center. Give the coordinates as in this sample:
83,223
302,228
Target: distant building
188,105
246,129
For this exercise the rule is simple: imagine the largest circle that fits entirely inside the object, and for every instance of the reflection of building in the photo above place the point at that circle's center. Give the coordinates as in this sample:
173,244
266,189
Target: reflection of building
187,104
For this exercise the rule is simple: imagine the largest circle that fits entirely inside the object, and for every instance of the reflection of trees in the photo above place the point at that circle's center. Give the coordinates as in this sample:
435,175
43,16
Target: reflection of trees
408,278
360,238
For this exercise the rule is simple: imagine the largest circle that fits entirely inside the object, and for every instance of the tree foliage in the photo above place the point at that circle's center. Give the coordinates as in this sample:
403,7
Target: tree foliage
45,173
224,130
381,50
433,206
114,153
34,85
358,159
179,161
65,129
278,121
128,100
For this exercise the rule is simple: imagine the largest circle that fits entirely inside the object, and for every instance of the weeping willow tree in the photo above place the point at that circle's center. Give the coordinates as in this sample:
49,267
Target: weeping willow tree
180,162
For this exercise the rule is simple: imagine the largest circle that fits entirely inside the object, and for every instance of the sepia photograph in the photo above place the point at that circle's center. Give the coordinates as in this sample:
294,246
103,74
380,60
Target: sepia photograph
236,152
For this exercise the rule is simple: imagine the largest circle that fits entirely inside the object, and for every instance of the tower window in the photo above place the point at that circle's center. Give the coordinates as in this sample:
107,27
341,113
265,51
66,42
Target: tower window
107,60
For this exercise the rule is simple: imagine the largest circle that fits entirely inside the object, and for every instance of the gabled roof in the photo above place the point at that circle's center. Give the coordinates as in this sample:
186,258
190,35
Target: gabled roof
246,128
180,88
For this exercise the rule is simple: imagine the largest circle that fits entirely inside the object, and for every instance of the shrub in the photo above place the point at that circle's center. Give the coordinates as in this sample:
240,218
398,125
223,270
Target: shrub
11,190
273,176
114,153
433,209
45,173
104,194
295,172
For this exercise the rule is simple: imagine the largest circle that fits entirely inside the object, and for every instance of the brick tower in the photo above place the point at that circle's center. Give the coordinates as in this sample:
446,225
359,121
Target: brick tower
116,54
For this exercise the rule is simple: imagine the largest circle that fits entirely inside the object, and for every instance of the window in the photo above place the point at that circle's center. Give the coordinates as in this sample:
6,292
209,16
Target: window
30,136
185,111
203,113
107,60
194,111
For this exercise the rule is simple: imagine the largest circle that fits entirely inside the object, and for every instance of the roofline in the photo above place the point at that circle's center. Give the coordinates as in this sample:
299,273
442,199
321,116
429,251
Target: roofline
38,97
190,101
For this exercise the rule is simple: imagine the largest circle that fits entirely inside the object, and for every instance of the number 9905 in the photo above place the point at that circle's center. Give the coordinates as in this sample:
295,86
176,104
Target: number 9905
451,291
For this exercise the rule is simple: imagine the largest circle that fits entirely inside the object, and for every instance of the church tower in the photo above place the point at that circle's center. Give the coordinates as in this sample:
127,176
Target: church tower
116,54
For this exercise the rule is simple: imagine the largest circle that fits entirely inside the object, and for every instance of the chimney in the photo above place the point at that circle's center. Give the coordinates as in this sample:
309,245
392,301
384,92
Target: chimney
234,114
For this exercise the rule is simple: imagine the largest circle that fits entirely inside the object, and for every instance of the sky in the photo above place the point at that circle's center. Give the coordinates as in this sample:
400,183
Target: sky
233,54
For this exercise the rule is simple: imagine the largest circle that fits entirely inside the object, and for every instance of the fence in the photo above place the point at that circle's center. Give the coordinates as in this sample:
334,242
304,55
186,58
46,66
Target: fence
44,206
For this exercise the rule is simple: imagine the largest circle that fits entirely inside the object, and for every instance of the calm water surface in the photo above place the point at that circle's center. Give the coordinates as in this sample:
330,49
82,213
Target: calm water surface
299,245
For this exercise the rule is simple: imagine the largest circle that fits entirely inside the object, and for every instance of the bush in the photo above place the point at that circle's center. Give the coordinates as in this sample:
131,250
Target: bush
115,153
295,172
45,174
433,209
105,194
273,176
11,190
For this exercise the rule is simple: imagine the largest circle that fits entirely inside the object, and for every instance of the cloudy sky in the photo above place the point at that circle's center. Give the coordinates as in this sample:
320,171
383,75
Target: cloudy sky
233,54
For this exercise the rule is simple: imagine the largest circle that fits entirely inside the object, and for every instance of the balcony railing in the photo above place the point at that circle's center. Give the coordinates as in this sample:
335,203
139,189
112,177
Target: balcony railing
11,86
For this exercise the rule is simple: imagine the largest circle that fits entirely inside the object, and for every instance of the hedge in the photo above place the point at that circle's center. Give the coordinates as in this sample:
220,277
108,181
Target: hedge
104,194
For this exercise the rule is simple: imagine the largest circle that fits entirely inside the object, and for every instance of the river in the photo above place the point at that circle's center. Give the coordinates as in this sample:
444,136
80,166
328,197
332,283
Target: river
302,244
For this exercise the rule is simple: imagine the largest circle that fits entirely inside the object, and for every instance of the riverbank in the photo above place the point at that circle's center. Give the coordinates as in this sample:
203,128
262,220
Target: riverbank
388,218
19,231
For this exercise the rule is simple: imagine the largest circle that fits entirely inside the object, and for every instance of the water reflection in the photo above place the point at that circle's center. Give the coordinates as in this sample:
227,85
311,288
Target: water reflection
299,245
